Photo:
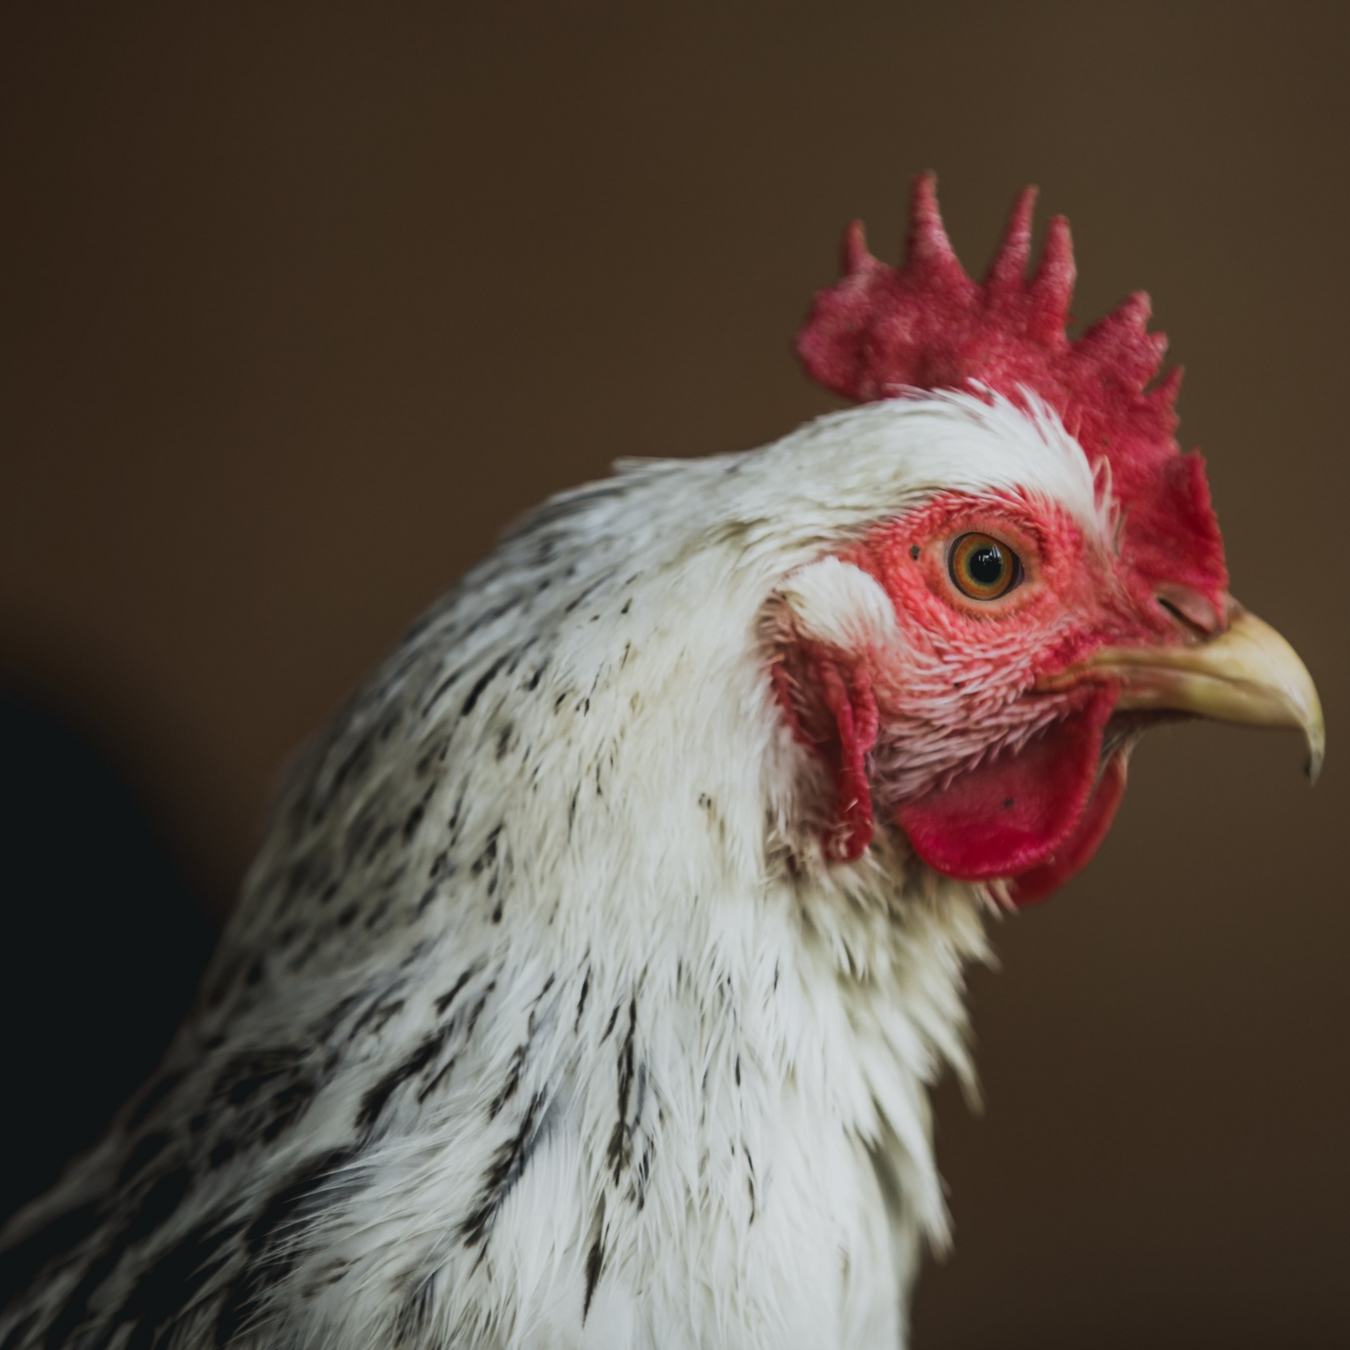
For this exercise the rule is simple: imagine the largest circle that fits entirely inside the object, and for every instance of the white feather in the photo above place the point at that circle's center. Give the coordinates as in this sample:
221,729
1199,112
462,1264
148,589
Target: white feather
555,832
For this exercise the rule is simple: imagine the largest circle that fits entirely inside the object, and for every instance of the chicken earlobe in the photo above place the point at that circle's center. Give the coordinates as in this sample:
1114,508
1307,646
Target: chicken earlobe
831,614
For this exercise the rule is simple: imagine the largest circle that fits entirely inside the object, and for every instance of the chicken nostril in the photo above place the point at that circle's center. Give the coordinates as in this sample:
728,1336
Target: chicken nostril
1175,613
1195,611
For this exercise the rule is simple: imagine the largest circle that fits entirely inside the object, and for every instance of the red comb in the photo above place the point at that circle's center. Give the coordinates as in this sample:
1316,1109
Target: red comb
881,331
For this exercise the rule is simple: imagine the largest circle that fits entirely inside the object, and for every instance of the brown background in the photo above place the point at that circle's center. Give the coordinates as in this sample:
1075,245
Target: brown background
300,305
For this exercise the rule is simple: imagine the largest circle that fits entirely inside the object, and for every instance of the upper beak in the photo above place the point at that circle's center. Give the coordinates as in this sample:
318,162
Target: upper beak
1248,673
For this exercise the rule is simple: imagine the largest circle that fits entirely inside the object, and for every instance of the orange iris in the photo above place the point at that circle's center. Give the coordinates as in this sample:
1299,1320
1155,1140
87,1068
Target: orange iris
983,568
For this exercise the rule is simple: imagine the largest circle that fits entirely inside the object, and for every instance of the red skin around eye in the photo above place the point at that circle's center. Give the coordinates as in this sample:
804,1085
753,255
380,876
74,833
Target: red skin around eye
1061,576
1033,814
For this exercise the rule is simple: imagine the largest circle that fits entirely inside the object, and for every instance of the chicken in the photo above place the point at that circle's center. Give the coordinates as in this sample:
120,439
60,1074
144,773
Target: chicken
594,972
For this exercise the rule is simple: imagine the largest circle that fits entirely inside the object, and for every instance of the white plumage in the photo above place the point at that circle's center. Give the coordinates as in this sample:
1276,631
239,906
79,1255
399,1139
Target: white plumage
543,1020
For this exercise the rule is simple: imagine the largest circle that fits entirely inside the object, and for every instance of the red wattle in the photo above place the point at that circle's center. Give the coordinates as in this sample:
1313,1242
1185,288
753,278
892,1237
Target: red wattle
1013,814
1076,852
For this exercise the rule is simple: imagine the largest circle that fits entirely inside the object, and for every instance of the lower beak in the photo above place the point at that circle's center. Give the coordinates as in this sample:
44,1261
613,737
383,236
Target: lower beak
1248,674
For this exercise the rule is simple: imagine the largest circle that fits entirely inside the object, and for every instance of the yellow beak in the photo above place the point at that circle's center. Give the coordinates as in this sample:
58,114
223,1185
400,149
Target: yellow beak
1248,674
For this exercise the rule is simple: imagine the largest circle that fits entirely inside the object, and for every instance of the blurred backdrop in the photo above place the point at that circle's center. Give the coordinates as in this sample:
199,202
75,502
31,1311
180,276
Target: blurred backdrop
300,304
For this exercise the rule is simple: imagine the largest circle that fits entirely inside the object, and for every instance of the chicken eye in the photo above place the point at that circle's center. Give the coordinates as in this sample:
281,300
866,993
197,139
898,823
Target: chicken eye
983,568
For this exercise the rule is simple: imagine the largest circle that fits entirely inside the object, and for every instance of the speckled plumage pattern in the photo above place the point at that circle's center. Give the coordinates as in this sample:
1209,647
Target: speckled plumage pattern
543,1020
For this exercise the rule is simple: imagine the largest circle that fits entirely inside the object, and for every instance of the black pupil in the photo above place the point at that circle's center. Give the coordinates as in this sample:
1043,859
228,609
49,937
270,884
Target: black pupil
985,564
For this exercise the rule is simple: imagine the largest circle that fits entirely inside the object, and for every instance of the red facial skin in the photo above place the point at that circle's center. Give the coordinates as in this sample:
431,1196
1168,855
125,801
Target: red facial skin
944,730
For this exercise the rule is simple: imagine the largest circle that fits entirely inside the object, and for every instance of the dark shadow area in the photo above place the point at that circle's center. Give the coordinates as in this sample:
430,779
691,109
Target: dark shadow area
102,947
